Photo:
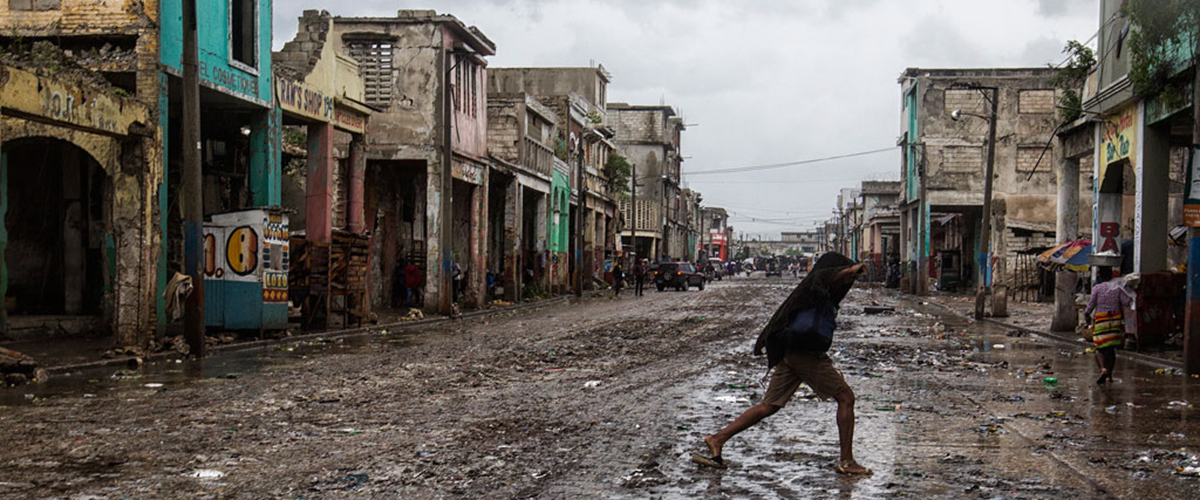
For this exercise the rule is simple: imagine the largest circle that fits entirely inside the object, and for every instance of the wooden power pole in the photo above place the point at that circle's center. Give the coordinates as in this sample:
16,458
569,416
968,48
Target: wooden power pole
193,185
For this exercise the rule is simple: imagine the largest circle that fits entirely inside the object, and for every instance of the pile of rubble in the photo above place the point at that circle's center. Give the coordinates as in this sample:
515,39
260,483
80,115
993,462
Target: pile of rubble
19,369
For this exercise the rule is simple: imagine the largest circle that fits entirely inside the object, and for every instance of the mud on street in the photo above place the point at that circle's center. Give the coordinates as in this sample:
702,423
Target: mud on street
607,399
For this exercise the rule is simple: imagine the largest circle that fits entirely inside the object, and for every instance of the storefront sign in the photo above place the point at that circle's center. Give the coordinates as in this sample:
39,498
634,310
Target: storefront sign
294,97
43,99
1118,140
349,121
1191,202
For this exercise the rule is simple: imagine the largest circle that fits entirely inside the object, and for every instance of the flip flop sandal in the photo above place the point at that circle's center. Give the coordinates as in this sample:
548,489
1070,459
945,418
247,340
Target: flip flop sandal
844,468
714,462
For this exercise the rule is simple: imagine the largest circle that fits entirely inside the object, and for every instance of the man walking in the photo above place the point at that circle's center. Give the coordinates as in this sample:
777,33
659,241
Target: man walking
796,339
639,276
618,275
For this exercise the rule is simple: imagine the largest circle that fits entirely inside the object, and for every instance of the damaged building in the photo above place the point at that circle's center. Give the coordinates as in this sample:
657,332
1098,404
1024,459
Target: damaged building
321,95
943,172
649,136
521,135
81,169
582,145
426,175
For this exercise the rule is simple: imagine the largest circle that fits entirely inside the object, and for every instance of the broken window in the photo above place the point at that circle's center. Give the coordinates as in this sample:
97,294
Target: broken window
243,35
375,60
34,5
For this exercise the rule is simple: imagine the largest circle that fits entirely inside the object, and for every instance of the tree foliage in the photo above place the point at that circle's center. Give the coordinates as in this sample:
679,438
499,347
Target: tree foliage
619,171
1165,36
1070,77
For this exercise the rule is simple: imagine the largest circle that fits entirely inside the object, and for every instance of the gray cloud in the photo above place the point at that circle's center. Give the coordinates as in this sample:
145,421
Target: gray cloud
767,81
1057,8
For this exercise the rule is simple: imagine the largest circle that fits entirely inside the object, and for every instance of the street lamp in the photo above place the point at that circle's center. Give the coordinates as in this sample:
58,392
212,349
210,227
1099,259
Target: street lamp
985,240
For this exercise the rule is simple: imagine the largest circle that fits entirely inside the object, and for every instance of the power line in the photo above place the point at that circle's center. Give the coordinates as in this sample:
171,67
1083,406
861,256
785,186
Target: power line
806,181
788,164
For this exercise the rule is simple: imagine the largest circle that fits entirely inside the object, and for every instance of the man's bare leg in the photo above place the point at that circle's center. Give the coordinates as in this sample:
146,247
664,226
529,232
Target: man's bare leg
747,419
845,422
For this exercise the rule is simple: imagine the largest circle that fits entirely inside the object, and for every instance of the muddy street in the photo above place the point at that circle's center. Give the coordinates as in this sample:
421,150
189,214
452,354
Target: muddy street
607,399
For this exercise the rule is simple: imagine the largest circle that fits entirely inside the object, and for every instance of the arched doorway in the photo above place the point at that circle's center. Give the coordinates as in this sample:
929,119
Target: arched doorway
56,222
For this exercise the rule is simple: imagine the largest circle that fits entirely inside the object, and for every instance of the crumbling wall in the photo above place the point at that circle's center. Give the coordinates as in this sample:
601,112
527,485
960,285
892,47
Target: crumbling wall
505,115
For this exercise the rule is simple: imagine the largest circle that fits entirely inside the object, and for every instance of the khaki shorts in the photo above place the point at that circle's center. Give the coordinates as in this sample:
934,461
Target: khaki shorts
812,368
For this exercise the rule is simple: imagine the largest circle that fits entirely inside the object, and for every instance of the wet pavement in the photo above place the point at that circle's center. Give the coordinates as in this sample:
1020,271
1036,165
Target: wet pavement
607,399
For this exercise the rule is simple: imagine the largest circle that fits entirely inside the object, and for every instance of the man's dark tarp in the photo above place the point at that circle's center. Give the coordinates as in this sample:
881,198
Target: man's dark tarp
820,285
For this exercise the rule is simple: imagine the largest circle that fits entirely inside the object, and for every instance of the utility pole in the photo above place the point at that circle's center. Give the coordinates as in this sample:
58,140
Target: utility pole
193,183
446,207
985,240
633,180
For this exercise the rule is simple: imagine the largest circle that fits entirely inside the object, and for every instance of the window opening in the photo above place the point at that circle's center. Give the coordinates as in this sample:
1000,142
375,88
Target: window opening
243,36
375,61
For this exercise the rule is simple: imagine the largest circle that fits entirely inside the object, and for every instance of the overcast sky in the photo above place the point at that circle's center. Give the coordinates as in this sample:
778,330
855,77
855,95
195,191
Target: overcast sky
762,81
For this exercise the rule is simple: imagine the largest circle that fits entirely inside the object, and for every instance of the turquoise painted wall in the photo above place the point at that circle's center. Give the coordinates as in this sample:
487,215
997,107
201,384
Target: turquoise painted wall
560,213
216,68
910,149
212,31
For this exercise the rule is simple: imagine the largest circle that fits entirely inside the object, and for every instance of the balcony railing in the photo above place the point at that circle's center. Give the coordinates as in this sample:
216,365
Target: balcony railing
538,158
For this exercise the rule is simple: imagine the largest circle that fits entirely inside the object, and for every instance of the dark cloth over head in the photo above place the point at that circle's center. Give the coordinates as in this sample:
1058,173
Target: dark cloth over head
820,285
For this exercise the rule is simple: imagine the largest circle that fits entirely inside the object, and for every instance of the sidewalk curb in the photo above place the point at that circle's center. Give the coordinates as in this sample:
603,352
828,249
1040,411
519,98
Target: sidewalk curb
334,334
1128,355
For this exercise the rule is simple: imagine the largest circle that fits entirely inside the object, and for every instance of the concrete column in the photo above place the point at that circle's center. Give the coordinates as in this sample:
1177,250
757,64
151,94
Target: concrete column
542,230
514,262
1066,230
74,272
1153,183
3,234
318,207
266,174
476,294
354,199
587,260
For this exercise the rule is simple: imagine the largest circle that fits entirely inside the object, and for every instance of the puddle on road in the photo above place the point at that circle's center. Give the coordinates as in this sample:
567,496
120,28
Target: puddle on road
973,417
176,372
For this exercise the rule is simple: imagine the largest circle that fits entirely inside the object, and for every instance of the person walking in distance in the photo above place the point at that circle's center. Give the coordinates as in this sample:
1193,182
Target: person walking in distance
639,277
1106,312
796,340
412,284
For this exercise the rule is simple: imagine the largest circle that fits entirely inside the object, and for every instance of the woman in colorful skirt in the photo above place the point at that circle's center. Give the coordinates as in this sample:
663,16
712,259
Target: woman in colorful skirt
1106,309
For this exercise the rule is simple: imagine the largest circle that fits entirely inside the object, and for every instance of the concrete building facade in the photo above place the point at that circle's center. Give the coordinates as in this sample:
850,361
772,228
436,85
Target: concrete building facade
426,163
129,239
521,134
577,96
649,137
943,164
715,233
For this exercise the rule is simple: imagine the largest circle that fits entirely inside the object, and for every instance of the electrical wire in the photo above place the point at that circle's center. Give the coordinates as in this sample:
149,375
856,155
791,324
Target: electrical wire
755,168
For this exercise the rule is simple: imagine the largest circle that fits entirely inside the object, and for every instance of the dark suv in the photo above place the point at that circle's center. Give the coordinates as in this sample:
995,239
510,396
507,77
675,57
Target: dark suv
677,275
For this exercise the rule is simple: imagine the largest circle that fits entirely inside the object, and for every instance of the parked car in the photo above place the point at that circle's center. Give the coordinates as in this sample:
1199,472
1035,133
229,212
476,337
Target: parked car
677,275
718,268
